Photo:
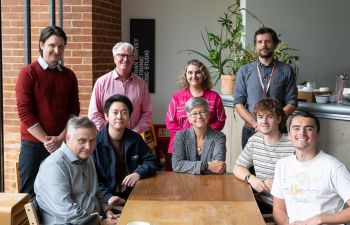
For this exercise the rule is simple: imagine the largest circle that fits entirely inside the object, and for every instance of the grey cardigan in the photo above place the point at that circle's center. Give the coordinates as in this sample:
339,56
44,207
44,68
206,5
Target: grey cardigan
184,156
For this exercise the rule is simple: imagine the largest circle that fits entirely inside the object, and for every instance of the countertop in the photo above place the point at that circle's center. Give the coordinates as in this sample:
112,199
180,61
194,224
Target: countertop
327,111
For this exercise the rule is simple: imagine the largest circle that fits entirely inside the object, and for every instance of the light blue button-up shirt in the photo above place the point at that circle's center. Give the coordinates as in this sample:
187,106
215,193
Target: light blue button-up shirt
67,188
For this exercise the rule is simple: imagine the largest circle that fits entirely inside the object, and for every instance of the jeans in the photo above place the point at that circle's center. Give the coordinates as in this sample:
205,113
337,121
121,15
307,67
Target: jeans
247,132
30,157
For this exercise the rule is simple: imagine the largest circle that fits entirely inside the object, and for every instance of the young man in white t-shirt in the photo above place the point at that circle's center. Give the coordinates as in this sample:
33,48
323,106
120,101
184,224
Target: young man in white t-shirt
262,151
311,186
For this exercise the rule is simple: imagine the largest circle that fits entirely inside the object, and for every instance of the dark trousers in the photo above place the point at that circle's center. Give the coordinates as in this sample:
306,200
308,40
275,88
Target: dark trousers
247,132
30,157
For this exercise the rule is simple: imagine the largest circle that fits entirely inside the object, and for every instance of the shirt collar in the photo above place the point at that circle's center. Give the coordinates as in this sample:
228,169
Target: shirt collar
116,75
268,66
71,157
44,65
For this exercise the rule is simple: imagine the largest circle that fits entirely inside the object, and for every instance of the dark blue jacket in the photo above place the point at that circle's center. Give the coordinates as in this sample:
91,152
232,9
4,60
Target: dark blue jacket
138,158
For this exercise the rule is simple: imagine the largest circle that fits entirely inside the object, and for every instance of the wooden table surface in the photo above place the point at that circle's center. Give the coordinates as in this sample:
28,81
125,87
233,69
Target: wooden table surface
187,187
192,212
178,198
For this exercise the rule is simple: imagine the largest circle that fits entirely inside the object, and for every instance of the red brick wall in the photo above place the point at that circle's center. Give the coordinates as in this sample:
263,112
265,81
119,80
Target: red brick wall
92,27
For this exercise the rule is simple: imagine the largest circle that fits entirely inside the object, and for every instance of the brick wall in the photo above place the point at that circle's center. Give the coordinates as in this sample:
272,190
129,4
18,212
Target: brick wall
92,27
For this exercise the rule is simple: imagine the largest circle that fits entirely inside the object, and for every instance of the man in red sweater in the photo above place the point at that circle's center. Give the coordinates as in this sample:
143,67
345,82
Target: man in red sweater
47,96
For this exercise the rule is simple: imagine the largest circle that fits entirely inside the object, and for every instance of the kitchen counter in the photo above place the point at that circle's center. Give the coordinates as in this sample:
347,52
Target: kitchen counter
327,111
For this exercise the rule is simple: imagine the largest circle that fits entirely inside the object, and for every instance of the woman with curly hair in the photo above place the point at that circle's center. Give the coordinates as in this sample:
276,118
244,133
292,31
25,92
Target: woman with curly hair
194,81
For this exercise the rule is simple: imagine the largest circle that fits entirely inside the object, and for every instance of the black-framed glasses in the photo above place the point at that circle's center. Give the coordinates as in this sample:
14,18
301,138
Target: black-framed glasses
122,55
196,114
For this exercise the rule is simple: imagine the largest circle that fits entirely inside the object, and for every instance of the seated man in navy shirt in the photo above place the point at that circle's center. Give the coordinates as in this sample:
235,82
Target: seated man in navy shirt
121,156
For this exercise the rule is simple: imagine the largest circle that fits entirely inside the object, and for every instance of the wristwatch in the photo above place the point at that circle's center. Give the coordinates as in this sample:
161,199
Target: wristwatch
247,178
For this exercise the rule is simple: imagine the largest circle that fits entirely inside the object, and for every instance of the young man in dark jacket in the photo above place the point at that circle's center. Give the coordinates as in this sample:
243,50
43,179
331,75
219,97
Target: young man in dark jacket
121,156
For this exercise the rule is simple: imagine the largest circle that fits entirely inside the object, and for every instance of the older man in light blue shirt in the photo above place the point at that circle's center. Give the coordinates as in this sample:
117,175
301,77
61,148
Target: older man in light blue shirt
66,185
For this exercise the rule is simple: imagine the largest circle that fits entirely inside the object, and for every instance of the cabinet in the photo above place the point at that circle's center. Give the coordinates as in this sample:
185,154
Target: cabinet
233,131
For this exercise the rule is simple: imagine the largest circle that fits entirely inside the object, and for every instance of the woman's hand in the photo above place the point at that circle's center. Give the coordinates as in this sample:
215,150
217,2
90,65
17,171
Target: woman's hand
217,166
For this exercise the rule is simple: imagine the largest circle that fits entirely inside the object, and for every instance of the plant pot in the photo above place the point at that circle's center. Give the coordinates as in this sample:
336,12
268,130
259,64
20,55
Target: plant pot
227,84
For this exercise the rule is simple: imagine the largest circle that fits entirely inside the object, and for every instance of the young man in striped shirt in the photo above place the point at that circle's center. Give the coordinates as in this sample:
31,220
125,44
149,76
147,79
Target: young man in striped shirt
262,151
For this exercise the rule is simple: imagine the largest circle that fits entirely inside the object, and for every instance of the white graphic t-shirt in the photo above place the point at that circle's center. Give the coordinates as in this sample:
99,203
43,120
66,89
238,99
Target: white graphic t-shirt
318,186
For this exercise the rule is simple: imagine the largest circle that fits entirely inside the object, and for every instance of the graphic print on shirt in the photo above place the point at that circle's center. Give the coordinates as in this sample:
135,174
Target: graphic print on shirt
301,187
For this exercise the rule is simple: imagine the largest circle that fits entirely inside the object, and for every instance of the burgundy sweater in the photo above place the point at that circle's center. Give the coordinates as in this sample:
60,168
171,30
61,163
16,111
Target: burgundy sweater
47,97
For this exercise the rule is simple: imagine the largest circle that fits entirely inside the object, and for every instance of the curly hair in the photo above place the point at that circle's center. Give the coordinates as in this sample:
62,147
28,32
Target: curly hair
206,83
269,105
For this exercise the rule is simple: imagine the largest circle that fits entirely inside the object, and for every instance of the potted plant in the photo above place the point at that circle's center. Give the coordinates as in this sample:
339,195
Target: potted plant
225,51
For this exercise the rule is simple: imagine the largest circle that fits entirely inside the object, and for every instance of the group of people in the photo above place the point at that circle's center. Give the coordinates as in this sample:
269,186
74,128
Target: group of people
76,166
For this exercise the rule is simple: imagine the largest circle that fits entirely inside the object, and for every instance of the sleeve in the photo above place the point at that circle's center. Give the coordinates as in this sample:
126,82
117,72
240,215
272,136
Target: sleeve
75,104
219,152
25,98
148,163
146,111
55,197
276,189
95,112
240,92
171,120
219,122
246,157
341,180
291,93
102,186
179,161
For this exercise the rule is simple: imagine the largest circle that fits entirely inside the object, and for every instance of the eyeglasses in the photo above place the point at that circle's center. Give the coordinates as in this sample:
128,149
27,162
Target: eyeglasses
196,114
122,55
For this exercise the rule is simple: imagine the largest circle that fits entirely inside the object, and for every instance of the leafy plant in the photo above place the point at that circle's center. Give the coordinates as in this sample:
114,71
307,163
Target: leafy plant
225,51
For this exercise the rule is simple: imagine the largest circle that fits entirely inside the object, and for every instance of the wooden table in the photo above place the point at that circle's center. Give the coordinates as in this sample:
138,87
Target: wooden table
178,198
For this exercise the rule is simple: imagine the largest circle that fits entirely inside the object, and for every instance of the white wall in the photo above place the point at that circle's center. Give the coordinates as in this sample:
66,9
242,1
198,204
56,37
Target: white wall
178,26
319,29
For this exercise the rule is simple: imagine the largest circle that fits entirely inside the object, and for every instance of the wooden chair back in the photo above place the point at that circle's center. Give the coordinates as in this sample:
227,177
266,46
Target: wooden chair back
17,176
33,212
149,136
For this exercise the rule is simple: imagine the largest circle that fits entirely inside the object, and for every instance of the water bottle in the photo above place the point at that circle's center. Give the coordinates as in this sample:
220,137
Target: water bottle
340,85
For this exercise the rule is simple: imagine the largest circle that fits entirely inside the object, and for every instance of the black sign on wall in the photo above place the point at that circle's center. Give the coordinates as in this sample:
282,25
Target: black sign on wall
142,37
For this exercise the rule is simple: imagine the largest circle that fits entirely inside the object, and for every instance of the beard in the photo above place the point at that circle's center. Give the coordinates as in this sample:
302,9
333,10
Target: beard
268,53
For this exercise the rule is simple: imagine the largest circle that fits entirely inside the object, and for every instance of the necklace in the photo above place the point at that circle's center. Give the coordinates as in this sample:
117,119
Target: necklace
199,151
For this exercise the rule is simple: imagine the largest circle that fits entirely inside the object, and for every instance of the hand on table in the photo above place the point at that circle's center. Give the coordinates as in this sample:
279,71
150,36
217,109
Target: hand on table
217,166
258,184
116,200
131,179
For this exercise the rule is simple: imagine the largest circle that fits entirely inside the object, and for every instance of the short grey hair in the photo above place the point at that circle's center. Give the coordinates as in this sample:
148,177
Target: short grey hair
120,45
79,122
195,102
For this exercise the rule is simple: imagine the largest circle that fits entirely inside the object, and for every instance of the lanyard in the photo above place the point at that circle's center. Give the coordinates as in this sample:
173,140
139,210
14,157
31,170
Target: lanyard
261,82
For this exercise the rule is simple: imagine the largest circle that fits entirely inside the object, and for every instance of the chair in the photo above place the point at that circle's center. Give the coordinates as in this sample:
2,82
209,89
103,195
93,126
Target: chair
34,218
33,212
149,136
17,175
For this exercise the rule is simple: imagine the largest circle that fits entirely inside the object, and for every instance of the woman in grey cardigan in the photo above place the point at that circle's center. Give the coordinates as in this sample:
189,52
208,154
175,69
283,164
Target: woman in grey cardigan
199,149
